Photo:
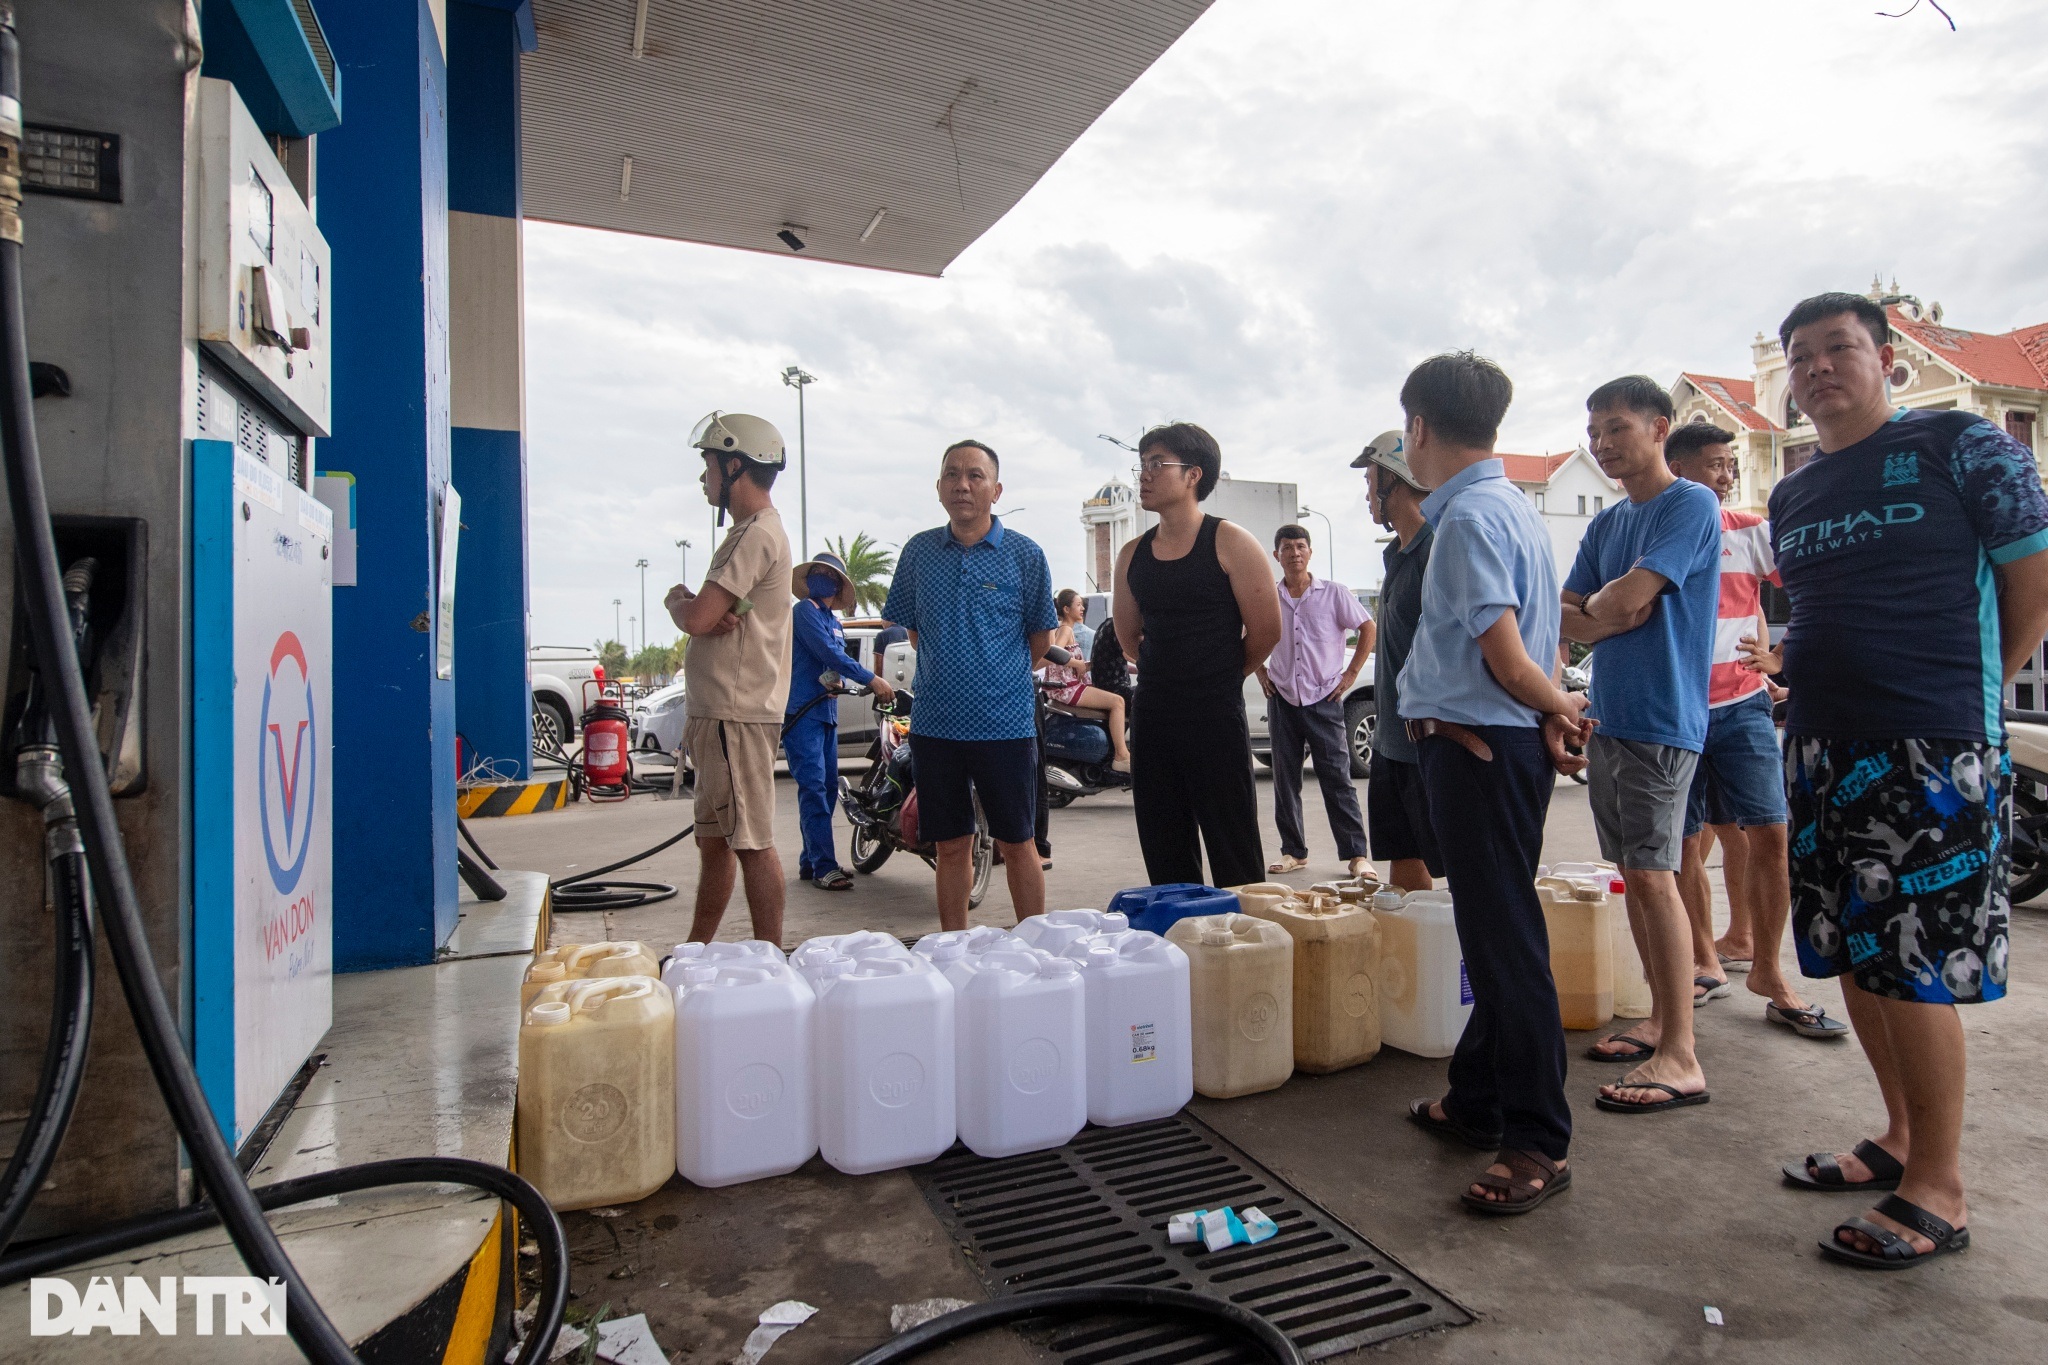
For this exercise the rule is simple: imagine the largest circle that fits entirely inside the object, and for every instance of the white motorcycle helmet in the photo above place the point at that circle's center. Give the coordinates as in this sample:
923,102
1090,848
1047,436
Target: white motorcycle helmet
753,440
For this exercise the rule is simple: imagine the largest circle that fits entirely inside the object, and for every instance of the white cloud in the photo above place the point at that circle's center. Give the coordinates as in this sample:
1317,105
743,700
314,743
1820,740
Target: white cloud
1297,203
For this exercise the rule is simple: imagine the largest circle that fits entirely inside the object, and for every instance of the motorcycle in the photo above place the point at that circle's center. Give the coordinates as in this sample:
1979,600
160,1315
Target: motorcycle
1077,748
882,806
2027,742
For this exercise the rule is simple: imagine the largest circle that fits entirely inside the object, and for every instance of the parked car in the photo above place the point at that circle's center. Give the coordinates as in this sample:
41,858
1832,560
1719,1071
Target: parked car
658,719
556,674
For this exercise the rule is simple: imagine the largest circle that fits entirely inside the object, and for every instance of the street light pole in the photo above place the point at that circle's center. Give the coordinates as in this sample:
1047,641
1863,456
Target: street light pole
797,378
616,627
1332,530
641,565
684,546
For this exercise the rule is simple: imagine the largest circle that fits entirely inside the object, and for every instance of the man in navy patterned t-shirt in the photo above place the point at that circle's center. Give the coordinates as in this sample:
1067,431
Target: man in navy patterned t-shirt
1912,550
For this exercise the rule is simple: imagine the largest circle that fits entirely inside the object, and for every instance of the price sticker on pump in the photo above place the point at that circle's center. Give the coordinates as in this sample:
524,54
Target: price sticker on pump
1144,1043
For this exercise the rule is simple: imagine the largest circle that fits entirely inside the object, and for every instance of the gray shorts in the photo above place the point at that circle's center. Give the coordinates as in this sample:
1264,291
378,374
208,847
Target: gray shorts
1638,793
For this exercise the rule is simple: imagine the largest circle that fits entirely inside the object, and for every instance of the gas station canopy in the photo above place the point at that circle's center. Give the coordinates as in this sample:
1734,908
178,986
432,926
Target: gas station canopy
886,133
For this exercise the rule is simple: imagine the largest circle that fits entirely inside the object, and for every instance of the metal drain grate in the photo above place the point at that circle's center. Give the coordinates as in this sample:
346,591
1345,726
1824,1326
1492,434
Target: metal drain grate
1095,1211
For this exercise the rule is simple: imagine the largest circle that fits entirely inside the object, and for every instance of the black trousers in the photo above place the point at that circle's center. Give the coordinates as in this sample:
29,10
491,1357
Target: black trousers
1319,729
1192,787
1508,1071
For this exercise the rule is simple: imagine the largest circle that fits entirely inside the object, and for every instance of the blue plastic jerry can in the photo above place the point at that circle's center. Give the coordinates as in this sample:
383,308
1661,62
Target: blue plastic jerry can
1156,909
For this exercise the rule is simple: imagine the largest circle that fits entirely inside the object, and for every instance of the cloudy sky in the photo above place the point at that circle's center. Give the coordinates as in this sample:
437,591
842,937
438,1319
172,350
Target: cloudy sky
1297,203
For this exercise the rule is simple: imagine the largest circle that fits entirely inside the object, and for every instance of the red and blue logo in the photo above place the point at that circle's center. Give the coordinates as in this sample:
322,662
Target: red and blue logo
288,763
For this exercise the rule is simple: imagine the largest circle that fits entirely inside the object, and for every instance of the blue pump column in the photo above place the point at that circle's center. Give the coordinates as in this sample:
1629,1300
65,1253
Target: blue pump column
384,209
493,706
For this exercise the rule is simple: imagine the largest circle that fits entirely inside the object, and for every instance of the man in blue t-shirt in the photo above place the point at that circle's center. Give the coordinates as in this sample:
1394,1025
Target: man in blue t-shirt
1912,548
1645,591
977,600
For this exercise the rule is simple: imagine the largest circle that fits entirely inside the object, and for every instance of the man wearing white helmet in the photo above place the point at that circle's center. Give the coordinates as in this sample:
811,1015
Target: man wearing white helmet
736,673
1396,811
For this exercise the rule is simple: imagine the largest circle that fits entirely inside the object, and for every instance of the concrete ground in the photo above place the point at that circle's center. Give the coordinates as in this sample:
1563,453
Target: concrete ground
1669,1214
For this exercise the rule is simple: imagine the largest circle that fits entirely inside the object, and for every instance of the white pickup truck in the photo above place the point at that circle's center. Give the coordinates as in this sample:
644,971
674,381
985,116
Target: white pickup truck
556,674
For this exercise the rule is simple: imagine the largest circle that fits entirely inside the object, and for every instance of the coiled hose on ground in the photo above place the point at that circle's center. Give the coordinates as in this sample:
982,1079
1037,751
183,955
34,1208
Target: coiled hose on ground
230,1199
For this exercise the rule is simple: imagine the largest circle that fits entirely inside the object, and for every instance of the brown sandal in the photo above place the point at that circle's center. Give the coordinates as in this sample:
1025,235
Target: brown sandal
1524,1169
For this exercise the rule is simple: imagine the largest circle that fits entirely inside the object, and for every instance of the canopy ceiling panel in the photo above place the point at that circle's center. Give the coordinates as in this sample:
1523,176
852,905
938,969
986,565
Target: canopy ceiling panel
743,117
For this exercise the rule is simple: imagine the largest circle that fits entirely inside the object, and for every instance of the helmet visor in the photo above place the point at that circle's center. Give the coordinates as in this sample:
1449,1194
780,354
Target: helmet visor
712,434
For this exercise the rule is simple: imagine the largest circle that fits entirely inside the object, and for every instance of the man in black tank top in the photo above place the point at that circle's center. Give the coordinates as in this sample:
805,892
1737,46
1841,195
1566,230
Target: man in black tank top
1197,610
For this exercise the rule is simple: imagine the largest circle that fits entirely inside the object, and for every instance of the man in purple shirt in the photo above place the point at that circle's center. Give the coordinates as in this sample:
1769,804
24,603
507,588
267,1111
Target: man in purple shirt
1305,679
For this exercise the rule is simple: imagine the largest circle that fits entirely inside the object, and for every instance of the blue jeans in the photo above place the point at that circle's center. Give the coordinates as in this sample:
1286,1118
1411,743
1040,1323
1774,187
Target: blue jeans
812,748
1740,779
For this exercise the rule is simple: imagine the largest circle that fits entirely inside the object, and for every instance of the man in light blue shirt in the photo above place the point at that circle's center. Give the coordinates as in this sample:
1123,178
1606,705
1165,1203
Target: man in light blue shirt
1645,592
1490,725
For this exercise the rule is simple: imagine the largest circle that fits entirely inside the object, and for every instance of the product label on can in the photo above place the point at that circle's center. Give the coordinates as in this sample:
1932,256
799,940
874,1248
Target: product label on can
1144,1043
1464,984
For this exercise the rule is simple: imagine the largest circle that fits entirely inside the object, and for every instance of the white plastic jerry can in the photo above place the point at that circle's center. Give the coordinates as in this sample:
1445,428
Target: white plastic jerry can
1424,995
862,943
1141,1058
1056,931
743,1071
884,1061
716,954
1020,1050
596,1104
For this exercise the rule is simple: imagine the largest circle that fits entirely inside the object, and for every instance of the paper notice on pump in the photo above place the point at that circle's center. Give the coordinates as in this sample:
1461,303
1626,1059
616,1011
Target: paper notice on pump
258,482
1144,1042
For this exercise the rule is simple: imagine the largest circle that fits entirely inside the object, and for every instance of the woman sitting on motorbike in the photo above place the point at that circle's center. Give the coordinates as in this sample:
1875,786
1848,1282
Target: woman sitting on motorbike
1068,684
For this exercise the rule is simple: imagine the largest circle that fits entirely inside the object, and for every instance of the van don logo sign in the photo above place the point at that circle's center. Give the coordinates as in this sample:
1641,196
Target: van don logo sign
286,764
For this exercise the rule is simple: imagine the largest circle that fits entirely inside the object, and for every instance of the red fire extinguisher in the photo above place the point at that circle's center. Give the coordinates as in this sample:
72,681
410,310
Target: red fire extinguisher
606,756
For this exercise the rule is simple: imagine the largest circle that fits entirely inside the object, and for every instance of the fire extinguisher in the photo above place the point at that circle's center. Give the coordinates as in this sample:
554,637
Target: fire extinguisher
606,756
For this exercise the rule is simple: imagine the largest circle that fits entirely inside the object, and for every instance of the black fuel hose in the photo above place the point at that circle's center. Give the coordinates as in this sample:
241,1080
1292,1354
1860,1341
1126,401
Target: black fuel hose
583,892
1180,1303
64,1057
43,605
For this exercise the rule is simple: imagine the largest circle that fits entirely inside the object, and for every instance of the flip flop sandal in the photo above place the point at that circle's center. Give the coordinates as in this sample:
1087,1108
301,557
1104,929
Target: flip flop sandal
1807,1023
1893,1251
1735,964
1822,1172
1522,1195
1679,1099
1288,863
838,879
1418,1112
1715,989
1642,1049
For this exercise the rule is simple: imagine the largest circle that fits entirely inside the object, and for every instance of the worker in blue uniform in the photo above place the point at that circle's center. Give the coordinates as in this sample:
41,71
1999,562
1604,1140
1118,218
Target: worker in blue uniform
811,743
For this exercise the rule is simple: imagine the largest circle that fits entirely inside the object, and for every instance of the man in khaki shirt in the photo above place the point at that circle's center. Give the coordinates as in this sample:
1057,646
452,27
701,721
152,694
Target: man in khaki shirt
736,674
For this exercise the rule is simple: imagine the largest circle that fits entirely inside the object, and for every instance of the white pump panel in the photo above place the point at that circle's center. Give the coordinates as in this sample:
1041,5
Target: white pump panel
264,282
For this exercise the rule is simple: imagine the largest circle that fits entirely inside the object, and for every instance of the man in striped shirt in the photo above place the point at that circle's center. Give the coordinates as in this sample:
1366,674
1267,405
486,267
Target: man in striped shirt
1738,790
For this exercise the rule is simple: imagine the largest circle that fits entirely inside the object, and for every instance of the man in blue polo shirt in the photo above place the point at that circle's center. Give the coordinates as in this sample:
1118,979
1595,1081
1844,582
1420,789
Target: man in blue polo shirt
1480,700
977,600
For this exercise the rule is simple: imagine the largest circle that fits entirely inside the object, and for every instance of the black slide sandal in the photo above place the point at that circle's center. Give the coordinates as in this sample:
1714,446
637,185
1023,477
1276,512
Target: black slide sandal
1679,1099
1893,1251
1642,1049
1823,1173
1418,1112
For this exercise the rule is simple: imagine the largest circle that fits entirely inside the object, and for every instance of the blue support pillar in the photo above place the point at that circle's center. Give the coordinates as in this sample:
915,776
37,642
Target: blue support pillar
384,210
493,706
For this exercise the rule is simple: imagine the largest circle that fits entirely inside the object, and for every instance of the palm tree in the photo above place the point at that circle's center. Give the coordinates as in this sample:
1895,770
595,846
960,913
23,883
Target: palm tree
869,565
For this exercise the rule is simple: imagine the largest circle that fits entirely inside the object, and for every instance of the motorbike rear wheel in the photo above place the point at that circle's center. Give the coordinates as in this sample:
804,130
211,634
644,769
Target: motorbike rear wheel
2029,841
984,848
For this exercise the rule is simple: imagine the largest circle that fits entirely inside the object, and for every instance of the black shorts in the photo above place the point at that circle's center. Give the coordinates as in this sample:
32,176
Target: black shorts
1397,816
951,772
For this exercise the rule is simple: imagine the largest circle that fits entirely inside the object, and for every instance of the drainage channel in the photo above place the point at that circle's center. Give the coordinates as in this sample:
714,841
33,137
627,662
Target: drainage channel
1095,1211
